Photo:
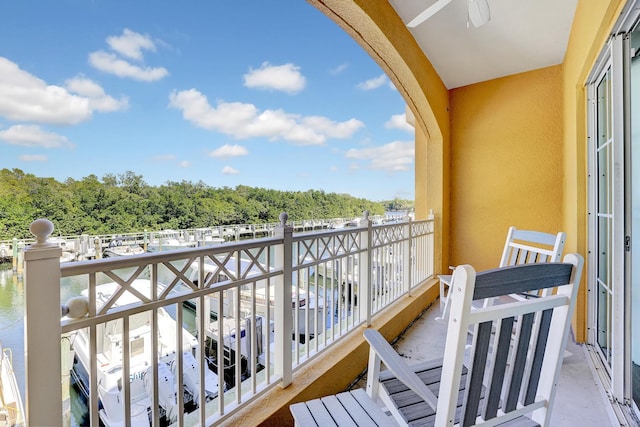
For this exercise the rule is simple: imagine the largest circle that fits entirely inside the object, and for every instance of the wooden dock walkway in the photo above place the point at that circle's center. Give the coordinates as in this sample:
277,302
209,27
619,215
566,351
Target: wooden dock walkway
83,247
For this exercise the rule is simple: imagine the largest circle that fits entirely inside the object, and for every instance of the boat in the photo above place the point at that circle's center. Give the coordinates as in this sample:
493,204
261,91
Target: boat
168,240
302,301
5,252
225,333
67,257
208,237
68,248
309,316
355,222
337,224
109,368
11,407
122,246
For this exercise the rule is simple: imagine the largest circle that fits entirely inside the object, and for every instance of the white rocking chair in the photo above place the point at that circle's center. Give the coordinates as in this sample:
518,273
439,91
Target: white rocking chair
521,247
507,378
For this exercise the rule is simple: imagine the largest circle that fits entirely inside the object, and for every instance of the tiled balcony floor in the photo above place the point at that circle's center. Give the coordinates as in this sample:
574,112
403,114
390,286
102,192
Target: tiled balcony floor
579,402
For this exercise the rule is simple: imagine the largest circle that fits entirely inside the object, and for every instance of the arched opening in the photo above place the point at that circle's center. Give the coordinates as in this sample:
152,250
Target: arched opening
381,33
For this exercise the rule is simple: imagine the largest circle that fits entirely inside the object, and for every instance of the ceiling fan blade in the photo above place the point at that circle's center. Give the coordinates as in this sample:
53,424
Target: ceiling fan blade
428,13
479,12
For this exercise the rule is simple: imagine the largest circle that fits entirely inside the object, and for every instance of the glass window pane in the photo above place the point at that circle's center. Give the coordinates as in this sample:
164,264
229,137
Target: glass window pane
603,250
603,312
604,179
604,115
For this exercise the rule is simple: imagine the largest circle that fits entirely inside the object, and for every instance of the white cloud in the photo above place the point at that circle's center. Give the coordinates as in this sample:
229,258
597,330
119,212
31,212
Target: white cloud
246,121
228,170
285,78
110,63
227,151
184,164
26,98
395,156
399,121
373,83
33,158
131,44
339,69
332,129
33,136
164,157
98,99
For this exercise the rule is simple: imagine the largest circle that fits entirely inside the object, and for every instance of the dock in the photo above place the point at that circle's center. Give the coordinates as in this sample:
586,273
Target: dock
85,246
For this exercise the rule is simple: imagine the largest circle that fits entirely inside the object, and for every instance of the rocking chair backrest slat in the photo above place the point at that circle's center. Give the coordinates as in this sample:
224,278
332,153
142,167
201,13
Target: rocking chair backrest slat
520,278
526,246
475,384
517,346
538,356
519,362
500,367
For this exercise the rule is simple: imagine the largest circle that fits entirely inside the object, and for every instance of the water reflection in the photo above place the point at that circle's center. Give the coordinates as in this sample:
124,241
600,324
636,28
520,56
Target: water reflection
11,320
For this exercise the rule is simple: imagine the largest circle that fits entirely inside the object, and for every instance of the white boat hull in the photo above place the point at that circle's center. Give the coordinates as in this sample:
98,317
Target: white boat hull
141,385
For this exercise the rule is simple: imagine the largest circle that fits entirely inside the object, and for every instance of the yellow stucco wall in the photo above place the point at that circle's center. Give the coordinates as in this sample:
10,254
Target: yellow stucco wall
506,162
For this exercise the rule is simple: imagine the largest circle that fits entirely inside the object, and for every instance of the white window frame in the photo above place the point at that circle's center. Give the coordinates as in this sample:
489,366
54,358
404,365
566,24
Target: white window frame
613,59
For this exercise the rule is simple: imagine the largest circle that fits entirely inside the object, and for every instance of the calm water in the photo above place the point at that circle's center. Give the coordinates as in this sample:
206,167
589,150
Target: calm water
12,325
12,320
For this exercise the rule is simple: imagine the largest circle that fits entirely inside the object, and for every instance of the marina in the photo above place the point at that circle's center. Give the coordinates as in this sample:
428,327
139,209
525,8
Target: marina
85,246
234,330
226,297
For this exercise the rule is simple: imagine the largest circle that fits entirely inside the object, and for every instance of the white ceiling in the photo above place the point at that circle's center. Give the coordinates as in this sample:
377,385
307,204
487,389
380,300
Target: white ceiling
522,35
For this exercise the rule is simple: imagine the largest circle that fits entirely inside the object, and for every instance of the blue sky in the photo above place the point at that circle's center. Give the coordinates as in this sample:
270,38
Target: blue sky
262,93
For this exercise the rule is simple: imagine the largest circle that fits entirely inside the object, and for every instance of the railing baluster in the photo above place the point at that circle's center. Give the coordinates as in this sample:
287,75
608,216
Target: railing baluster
406,258
93,363
364,296
126,362
179,361
154,367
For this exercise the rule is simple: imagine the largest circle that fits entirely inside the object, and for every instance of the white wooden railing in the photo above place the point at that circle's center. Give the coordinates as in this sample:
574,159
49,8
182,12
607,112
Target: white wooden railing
288,297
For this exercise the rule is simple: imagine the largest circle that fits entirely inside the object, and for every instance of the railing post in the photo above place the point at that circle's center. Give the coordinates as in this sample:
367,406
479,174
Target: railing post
14,251
42,329
365,266
407,257
283,321
432,243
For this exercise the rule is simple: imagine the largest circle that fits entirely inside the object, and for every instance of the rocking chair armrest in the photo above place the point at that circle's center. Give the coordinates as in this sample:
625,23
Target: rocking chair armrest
398,367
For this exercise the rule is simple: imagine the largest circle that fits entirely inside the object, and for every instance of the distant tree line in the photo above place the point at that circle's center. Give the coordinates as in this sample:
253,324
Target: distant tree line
126,203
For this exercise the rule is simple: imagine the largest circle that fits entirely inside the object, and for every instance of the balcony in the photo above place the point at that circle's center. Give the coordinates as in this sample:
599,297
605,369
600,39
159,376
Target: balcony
256,314
274,321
